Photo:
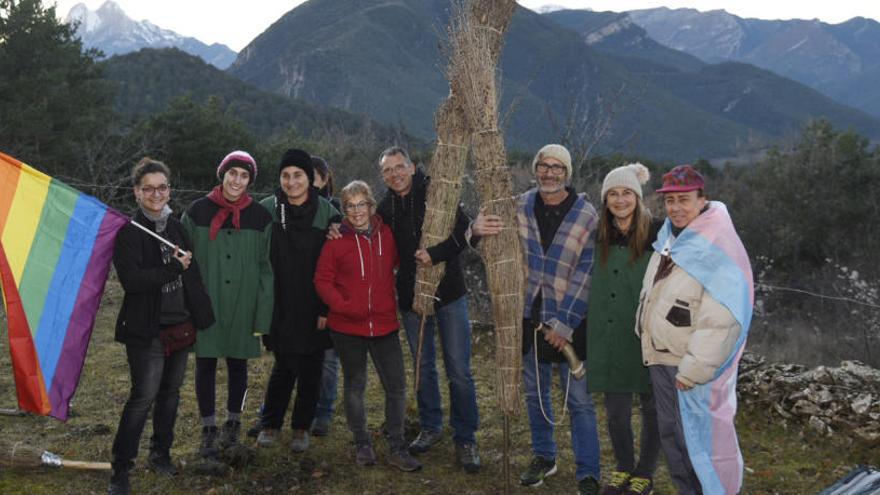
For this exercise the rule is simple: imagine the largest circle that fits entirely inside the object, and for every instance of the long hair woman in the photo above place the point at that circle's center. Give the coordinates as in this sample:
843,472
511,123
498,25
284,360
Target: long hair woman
614,358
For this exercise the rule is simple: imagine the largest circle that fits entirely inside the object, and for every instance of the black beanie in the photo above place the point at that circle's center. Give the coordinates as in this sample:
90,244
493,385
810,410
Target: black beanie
298,158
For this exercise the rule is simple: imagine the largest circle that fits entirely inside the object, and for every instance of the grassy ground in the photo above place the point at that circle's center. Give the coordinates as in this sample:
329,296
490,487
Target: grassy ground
777,460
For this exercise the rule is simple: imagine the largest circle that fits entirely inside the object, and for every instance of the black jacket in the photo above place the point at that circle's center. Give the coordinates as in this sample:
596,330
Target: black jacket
296,247
138,262
405,216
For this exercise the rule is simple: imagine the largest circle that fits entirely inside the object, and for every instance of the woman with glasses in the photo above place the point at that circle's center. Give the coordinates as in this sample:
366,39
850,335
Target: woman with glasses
355,278
163,290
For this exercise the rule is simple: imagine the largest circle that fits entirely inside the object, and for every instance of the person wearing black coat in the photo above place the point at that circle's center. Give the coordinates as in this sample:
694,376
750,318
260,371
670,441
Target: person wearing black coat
298,336
163,289
403,209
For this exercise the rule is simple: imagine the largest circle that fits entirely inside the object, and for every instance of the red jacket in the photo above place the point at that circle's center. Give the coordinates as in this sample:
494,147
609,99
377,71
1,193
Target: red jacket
355,278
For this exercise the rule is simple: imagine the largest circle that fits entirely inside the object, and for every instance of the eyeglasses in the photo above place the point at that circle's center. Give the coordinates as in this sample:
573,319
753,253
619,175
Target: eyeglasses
362,206
149,190
387,172
553,168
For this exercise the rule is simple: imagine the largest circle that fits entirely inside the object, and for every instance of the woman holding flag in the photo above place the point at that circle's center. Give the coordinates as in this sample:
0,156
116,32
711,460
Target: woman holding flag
693,318
164,295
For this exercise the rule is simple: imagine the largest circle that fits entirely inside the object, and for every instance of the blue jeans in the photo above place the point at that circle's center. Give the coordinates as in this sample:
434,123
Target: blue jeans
455,338
155,384
329,379
584,432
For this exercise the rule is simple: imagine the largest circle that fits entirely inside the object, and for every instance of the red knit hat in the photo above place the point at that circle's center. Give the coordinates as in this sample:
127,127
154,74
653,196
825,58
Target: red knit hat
241,159
682,178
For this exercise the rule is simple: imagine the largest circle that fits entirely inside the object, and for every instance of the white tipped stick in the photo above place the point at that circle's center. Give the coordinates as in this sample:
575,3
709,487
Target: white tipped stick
160,238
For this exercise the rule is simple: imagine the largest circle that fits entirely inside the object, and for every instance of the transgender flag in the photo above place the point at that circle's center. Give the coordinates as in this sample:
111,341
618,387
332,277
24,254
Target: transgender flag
55,250
710,250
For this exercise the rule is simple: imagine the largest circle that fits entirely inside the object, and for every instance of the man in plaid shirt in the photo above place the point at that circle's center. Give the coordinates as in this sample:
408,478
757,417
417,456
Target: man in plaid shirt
555,226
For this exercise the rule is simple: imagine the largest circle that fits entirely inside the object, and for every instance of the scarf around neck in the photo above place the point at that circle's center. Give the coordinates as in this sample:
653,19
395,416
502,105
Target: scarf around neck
161,219
226,208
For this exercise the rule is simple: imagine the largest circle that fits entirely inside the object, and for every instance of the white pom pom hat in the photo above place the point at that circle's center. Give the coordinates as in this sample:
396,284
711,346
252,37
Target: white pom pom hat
630,176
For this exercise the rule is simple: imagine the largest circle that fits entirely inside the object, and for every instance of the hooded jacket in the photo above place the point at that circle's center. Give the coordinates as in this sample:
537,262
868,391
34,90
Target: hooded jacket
405,215
298,234
355,279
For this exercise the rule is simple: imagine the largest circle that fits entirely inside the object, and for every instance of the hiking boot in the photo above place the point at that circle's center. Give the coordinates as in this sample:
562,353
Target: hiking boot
468,457
160,463
119,483
588,486
538,469
640,486
267,437
617,484
208,449
424,441
403,460
321,427
364,455
300,441
229,433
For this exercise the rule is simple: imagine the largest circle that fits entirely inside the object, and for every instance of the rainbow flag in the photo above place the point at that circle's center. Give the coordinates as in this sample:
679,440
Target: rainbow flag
55,250
710,250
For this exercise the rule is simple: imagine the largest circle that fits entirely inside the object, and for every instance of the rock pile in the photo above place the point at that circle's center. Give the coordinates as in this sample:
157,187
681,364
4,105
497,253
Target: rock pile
844,400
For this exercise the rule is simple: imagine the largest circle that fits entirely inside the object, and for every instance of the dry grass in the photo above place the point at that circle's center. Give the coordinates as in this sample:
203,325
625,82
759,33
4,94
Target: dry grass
780,461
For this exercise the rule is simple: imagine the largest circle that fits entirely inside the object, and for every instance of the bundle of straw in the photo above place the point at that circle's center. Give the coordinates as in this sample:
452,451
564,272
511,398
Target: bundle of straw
21,455
446,170
477,38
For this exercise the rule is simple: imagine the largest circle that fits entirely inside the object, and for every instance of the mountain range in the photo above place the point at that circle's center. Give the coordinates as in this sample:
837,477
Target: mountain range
561,71
384,58
839,60
110,30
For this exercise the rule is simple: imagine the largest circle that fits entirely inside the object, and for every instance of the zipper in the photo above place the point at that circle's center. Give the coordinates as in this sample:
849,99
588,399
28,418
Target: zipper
370,289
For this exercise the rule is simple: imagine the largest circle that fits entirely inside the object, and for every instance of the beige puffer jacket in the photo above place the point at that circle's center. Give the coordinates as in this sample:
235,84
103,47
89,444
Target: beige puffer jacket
680,324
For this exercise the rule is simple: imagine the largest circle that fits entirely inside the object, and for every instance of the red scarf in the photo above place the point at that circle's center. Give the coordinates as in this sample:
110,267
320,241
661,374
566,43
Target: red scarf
226,208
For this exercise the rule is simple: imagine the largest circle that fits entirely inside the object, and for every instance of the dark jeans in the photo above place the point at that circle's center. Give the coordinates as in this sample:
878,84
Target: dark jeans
289,370
155,382
619,412
327,396
206,393
671,432
453,326
388,360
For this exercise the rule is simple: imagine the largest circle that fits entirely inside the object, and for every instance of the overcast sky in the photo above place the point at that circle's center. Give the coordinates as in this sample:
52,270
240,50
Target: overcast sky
235,23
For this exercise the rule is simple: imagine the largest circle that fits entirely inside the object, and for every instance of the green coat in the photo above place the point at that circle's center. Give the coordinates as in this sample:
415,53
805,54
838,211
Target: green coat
614,353
238,276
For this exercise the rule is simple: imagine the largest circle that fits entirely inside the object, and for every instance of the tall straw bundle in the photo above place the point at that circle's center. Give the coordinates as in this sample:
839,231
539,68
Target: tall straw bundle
478,33
446,170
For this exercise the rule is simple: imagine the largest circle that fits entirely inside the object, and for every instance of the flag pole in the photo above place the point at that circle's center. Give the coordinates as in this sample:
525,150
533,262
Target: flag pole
161,239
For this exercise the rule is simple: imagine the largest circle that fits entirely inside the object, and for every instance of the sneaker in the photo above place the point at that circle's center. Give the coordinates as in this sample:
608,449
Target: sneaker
403,460
267,437
160,463
364,455
208,449
468,457
640,486
229,433
300,441
119,483
424,441
321,427
254,431
539,469
588,486
617,484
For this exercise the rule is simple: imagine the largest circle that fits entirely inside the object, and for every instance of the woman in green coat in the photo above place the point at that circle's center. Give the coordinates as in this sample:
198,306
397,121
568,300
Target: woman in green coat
614,357
231,236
